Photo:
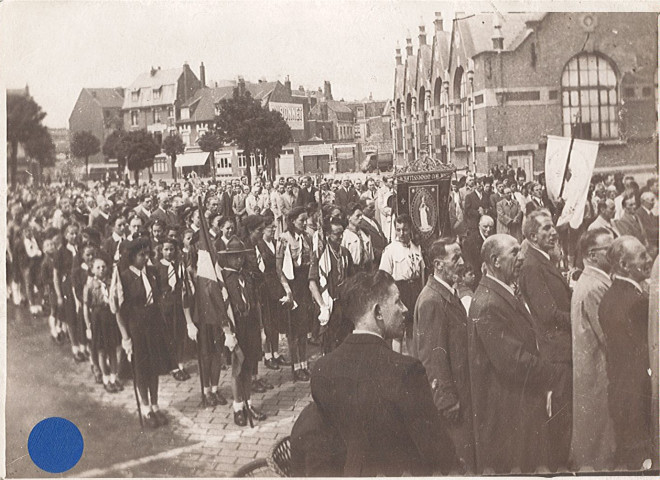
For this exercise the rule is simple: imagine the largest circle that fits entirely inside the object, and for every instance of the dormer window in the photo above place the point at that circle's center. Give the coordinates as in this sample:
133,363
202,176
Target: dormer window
135,95
157,93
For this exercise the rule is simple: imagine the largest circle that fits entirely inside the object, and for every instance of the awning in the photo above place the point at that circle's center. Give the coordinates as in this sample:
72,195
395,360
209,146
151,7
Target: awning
194,159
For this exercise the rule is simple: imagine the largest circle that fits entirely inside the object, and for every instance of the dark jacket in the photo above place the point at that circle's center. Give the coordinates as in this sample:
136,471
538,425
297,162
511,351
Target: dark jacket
471,250
440,343
623,315
381,404
471,210
549,299
343,197
650,224
509,381
378,240
305,197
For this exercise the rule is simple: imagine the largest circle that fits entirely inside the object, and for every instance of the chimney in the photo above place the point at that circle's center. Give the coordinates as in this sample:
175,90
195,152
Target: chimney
438,22
422,35
287,85
241,85
327,90
324,111
202,74
398,54
94,93
153,71
409,46
498,38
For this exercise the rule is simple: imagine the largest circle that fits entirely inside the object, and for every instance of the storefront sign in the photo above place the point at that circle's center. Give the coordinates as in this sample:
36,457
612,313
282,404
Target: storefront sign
292,113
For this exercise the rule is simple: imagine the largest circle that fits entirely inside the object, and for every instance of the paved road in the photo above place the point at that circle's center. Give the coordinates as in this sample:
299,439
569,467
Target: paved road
44,381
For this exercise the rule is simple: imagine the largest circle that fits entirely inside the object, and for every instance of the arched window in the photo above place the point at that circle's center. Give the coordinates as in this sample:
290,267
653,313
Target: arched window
590,98
463,118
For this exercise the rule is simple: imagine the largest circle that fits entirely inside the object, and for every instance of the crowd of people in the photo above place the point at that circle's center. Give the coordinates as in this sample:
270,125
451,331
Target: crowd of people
507,345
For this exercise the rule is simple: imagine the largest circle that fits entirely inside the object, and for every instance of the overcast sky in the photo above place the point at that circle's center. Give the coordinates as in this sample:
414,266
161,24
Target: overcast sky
58,47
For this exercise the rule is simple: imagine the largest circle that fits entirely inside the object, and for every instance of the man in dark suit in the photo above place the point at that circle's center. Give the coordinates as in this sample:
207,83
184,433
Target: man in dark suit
379,401
623,315
143,210
509,379
472,245
346,194
370,226
306,193
548,297
101,221
440,343
649,220
163,212
477,203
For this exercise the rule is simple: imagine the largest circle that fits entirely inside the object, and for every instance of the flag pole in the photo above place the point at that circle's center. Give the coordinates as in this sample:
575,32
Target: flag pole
568,156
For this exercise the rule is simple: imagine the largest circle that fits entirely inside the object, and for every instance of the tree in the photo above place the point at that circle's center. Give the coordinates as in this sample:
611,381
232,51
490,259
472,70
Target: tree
242,120
173,146
211,142
83,145
24,118
140,149
273,134
113,147
40,146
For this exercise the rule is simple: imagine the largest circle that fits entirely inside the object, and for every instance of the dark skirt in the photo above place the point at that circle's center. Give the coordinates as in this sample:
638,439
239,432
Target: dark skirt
302,317
105,331
174,324
248,335
151,356
211,339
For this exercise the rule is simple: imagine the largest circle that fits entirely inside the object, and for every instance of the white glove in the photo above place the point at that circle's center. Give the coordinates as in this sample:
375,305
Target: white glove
127,345
192,331
230,341
89,334
324,316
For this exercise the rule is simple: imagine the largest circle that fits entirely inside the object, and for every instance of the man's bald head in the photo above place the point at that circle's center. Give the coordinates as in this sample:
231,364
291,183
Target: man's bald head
647,200
629,258
500,253
486,225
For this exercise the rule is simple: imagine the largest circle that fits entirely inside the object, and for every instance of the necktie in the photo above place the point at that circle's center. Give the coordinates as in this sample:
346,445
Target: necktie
117,252
105,293
299,238
147,288
260,260
241,283
362,252
171,276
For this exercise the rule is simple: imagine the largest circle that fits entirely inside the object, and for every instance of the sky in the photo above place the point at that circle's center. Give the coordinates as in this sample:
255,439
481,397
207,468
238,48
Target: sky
58,47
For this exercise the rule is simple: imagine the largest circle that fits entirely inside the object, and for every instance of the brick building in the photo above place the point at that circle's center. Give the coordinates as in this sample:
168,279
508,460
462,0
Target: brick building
97,110
499,84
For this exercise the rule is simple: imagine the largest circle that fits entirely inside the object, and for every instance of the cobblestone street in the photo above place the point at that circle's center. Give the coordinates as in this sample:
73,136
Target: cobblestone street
198,442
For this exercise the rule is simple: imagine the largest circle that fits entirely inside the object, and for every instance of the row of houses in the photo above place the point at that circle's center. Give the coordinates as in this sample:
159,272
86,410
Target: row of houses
327,135
492,88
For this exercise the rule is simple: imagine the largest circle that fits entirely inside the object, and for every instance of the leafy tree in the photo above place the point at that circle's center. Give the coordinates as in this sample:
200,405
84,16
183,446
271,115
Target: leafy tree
113,147
83,145
24,118
211,142
40,146
173,146
242,120
273,134
140,149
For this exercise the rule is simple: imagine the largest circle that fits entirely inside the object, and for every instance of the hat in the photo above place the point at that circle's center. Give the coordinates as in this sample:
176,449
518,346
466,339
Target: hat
235,246
251,222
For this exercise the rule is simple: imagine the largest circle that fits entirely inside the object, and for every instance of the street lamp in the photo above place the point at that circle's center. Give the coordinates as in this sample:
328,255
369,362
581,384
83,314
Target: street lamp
470,76
445,89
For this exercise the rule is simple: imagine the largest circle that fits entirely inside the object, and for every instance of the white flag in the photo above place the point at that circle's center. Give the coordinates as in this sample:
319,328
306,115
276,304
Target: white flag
575,178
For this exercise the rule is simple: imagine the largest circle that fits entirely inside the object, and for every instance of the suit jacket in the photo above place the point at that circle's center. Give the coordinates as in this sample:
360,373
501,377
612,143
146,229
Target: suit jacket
440,343
343,197
305,197
630,225
650,224
100,224
592,443
509,218
509,380
167,217
226,201
381,404
623,315
378,240
471,209
549,299
471,250
140,213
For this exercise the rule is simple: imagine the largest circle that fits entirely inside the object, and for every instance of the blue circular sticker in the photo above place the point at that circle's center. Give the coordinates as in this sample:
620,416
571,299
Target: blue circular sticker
55,445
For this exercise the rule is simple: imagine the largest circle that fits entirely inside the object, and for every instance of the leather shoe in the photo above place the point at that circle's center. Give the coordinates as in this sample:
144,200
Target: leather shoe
184,374
118,386
239,418
162,419
272,364
303,376
258,387
283,361
98,377
178,375
220,399
256,414
110,388
79,357
265,383
151,420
